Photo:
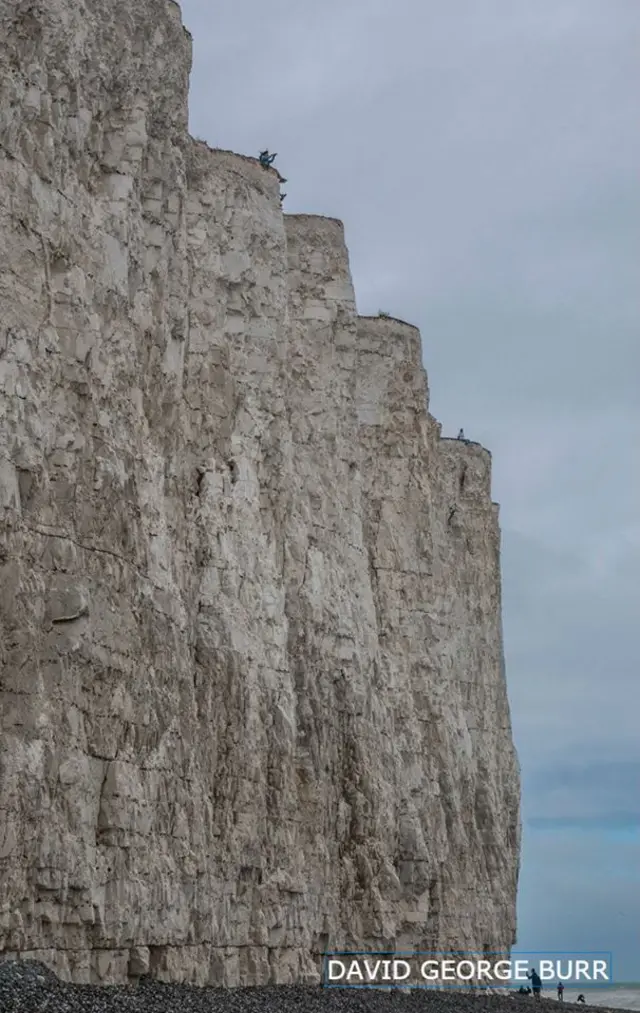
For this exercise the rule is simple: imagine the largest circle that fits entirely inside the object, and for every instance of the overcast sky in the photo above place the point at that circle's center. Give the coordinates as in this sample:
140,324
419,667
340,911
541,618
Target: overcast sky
484,156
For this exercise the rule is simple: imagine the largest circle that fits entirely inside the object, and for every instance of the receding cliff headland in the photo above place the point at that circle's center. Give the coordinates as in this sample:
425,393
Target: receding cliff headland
252,686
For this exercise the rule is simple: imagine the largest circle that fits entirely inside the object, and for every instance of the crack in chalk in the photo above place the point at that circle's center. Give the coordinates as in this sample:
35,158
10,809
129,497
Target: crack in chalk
71,619
123,559
48,318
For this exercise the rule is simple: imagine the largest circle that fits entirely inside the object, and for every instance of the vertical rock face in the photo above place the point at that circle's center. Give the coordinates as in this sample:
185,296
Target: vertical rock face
252,693
433,542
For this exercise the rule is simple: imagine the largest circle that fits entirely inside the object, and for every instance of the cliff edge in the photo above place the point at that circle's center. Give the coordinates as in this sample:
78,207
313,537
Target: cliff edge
252,691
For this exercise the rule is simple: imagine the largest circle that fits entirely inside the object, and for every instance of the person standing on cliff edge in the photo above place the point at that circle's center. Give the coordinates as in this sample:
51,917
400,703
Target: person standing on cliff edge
266,161
560,991
536,983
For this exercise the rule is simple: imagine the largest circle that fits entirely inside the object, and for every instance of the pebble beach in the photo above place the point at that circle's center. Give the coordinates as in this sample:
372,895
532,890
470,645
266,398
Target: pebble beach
30,987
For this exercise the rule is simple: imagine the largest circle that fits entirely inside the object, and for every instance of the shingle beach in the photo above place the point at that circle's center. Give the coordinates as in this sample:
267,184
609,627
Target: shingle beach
29,987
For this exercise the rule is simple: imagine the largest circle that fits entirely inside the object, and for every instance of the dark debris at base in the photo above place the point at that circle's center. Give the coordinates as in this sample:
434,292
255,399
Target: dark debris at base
30,987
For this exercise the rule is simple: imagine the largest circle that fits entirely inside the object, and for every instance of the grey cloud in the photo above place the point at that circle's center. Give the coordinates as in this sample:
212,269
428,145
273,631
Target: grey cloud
614,821
587,795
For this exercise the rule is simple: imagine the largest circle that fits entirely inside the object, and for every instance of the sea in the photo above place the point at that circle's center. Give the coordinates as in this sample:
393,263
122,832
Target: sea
623,996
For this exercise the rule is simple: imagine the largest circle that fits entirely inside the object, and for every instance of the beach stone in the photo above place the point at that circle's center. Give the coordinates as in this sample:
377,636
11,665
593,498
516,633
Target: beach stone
18,993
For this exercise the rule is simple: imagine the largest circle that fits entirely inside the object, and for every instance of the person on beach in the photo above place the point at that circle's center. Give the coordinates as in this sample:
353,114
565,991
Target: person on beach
536,983
560,991
581,998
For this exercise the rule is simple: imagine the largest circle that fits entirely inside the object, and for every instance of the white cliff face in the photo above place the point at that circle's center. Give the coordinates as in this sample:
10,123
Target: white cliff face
252,692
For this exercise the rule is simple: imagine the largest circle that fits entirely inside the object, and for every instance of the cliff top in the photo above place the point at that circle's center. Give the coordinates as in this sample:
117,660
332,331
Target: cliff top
385,317
465,443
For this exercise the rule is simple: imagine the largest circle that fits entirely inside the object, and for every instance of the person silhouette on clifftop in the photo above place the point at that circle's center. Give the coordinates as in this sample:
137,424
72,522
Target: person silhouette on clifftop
560,991
461,434
266,160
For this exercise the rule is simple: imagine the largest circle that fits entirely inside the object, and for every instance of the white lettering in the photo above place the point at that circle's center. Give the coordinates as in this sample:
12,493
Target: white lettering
502,970
465,963
432,973
407,970
355,971
337,963
368,969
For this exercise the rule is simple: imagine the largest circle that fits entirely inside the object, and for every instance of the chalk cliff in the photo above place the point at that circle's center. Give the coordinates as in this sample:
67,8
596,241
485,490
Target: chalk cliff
252,692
